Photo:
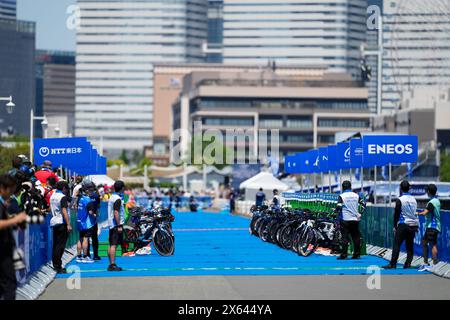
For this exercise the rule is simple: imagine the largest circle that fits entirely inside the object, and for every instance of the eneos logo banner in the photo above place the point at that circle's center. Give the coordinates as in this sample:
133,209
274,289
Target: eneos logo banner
395,149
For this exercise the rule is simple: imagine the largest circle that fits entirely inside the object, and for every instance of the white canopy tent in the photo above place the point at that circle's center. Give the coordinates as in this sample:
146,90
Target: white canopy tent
101,179
264,180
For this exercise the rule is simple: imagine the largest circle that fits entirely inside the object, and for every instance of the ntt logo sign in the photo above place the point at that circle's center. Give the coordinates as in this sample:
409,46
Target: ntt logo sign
382,150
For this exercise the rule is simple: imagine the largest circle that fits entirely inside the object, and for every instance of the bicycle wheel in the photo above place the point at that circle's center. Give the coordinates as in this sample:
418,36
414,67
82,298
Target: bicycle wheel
308,243
286,237
130,234
163,242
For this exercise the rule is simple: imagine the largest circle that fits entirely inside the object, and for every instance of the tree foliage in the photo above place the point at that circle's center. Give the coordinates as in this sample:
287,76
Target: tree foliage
445,168
8,154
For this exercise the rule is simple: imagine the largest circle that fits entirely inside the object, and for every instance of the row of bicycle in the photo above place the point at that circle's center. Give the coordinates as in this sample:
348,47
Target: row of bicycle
299,230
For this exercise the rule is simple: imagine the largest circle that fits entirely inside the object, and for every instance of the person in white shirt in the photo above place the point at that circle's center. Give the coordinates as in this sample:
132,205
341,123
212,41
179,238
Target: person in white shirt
348,209
60,223
116,216
406,224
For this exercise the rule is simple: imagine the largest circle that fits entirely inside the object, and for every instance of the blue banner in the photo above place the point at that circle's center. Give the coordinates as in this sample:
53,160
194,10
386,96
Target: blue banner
343,155
302,159
394,149
332,158
92,168
323,159
66,152
313,156
290,165
356,153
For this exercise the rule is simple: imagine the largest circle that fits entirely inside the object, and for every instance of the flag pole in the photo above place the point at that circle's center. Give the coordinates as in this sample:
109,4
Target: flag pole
375,186
390,183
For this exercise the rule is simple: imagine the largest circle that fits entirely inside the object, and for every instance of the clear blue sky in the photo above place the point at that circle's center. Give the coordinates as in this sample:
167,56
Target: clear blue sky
50,17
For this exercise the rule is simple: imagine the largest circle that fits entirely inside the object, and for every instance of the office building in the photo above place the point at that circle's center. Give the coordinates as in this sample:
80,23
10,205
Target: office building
55,89
168,84
307,112
8,9
117,44
215,31
416,48
326,32
17,77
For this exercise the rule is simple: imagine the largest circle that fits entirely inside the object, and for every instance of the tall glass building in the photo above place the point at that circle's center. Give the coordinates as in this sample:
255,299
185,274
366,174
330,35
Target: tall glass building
215,31
8,9
320,32
117,44
17,52
416,41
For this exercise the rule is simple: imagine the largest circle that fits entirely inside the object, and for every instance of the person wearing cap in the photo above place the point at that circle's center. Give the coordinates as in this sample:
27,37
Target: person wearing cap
45,173
432,215
406,224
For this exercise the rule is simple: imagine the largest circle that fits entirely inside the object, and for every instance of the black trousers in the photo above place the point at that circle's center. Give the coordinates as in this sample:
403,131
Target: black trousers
8,282
94,238
407,234
60,236
350,229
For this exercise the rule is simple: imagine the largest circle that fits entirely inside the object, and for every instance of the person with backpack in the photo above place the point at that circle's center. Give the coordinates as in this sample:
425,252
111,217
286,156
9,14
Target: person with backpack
86,220
432,215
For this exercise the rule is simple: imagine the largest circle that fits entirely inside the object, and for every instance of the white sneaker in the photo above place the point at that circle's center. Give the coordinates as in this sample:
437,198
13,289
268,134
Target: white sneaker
424,267
79,259
88,260
144,251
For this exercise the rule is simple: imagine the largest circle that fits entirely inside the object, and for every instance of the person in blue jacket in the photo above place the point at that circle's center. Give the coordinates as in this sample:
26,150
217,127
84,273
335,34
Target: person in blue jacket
86,220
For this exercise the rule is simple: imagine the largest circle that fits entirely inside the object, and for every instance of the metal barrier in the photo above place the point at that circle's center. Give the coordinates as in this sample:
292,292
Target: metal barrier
377,226
183,202
36,243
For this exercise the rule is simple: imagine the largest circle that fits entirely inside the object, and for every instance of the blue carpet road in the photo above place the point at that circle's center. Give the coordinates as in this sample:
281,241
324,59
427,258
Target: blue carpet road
220,245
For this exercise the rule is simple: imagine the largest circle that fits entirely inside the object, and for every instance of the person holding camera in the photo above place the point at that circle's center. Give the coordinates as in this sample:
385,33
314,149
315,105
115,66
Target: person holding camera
8,281
60,223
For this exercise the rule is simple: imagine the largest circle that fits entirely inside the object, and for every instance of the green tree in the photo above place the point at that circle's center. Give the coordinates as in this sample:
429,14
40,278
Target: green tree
124,157
8,154
117,162
445,168
139,170
213,153
136,157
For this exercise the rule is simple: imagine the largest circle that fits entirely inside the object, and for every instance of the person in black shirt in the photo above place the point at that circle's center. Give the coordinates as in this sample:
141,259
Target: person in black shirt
8,282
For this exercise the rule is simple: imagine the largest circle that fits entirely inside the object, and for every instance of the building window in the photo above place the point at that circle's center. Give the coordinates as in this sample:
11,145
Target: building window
299,124
343,123
271,123
228,122
326,138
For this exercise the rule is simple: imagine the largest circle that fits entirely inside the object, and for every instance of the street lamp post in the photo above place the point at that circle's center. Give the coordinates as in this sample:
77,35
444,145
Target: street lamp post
32,119
10,105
